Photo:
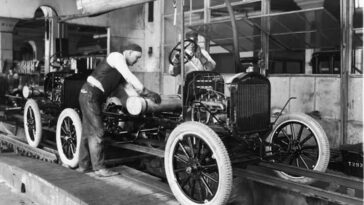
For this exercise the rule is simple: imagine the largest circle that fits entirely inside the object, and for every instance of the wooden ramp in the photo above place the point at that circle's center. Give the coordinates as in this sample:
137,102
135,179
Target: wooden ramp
53,184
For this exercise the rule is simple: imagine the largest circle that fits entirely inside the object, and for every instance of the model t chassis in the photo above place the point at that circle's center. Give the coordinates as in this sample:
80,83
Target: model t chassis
202,135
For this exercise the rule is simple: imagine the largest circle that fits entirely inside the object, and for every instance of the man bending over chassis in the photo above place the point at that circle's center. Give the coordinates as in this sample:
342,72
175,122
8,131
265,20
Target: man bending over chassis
107,76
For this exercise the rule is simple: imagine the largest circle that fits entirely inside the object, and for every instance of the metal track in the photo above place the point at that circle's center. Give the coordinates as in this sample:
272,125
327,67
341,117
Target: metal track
348,183
26,150
139,148
345,181
302,189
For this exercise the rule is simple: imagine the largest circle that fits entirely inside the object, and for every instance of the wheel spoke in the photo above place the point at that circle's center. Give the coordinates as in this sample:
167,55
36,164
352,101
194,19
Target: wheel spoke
67,123
183,149
209,177
63,130
209,167
304,162
179,158
198,154
181,169
287,136
292,130
192,185
202,192
300,133
206,186
63,137
31,115
306,139
201,153
291,158
284,142
65,147
191,147
72,147
68,151
309,156
309,147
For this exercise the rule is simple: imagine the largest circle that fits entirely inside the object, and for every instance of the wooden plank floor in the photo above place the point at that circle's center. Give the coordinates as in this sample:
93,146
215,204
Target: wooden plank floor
131,186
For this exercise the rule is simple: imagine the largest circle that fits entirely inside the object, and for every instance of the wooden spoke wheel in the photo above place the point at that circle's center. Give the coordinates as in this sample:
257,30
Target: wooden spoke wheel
198,167
32,123
298,140
68,137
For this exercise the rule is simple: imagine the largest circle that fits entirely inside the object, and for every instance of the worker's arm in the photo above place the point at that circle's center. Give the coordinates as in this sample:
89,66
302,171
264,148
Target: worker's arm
117,61
175,69
206,60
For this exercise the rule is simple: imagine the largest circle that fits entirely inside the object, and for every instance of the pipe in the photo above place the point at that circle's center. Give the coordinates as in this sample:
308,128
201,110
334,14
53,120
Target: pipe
235,37
182,53
139,105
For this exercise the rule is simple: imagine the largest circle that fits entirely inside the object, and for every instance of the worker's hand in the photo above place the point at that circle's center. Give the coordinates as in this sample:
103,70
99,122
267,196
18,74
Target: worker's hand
198,52
155,97
176,59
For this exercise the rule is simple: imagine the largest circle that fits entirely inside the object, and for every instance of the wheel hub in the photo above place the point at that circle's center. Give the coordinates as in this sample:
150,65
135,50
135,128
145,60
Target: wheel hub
194,167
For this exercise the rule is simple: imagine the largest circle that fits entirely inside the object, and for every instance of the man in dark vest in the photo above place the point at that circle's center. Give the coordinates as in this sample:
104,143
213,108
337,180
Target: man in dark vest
107,76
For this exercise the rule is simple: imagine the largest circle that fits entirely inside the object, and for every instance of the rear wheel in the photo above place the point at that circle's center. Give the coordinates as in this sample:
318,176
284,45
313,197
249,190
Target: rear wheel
68,137
298,140
32,123
198,166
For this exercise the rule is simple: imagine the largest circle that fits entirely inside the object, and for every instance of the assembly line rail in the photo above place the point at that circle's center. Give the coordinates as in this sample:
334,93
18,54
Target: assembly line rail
352,185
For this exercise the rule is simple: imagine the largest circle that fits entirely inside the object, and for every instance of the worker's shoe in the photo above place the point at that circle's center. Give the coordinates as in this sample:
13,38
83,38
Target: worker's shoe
106,173
83,170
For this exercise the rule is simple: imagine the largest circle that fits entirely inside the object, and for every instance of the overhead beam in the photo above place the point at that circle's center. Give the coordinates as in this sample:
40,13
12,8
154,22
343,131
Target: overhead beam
100,6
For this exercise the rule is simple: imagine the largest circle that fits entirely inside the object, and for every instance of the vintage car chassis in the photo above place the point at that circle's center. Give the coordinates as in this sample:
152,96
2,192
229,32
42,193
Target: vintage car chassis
200,138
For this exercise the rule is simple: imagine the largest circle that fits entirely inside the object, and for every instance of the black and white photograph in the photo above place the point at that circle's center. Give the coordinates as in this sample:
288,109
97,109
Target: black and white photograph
181,102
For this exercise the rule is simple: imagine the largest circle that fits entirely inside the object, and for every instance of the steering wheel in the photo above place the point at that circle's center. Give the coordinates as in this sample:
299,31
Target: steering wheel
176,52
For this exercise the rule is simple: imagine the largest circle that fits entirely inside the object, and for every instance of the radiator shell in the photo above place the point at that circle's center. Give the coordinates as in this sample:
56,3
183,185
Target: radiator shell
250,103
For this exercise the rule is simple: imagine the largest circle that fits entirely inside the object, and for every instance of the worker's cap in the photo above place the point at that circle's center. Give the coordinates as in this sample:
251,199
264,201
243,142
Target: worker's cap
191,35
131,47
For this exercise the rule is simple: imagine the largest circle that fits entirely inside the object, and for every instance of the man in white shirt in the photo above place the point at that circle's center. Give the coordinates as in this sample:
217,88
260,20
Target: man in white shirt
106,77
200,61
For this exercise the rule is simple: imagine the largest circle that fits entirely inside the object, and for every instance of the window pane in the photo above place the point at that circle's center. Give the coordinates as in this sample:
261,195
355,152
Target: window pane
293,67
357,53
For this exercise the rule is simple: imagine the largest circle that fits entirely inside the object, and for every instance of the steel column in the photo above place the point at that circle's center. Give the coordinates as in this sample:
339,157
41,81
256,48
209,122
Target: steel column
265,36
235,36
346,24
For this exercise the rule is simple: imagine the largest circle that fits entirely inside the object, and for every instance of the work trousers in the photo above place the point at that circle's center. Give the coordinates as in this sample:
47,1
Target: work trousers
92,141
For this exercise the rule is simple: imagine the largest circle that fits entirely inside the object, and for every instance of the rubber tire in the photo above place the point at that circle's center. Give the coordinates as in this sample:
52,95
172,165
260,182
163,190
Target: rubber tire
71,113
214,142
321,139
38,123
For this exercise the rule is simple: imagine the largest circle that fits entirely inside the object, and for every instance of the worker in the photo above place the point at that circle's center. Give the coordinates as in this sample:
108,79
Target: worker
107,76
200,58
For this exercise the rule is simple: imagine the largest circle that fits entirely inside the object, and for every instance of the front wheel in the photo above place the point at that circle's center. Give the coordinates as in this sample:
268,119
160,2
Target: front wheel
197,165
298,140
68,137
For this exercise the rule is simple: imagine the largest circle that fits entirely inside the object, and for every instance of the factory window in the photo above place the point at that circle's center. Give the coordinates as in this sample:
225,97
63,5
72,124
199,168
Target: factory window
357,52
